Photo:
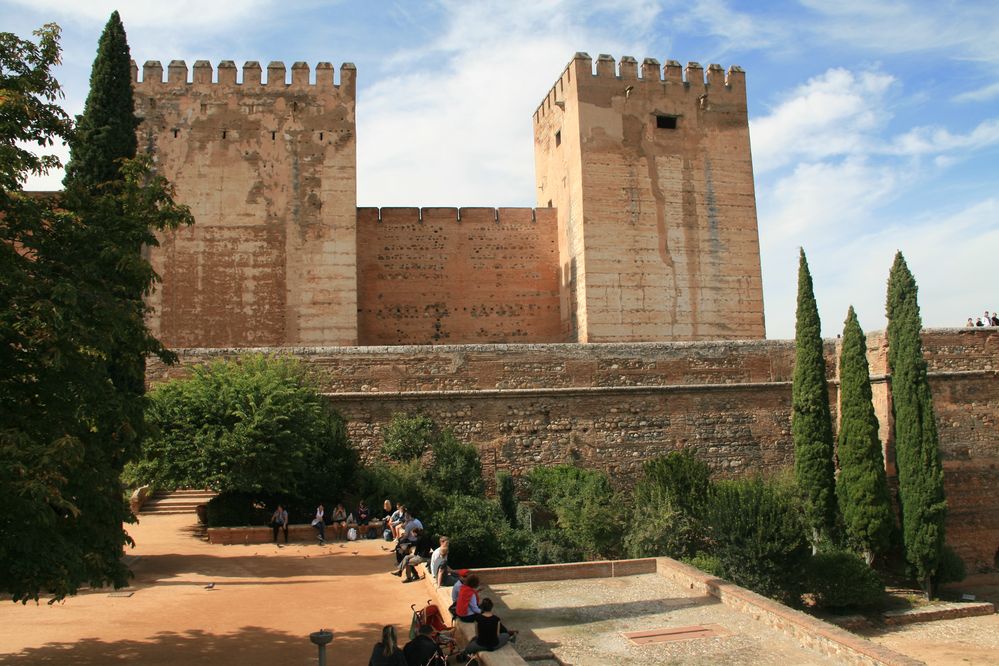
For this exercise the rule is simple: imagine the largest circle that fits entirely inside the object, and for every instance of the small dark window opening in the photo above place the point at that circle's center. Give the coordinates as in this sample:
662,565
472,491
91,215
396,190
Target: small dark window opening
294,106
175,133
273,136
549,203
558,138
666,122
320,136
223,134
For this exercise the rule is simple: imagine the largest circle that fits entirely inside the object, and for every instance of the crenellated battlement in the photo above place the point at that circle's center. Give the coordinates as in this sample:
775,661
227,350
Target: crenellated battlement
202,74
670,76
477,215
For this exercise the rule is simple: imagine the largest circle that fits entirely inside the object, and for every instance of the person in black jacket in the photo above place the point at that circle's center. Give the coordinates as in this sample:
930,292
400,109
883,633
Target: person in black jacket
387,652
490,634
419,553
422,650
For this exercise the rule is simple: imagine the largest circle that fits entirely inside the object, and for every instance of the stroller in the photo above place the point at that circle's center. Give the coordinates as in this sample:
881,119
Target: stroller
442,634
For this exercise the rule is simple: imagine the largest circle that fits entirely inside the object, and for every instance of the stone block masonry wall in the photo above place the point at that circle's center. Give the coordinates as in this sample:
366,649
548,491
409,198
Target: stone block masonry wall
613,406
449,276
268,169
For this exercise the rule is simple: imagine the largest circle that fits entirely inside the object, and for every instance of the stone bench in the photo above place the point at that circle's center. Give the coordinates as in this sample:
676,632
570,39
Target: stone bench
265,534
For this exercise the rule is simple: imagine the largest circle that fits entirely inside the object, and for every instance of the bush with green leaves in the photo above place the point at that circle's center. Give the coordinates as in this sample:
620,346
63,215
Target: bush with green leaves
400,482
841,579
757,532
506,494
950,569
407,437
585,507
479,534
709,564
252,425
455,468
669,505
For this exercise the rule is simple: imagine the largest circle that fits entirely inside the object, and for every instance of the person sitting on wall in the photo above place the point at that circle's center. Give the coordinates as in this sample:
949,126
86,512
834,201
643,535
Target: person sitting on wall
970,324
364,520
995,318
438,562
411,525
279,521
319,522
467,606
397,520
339,522
419,554
490,634
403,546
422,650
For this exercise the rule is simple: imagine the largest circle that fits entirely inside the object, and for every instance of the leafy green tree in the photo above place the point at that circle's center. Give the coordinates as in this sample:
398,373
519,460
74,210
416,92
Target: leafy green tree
861,487
253,425
456,468
479,534
506,492
65,320
758,534
811,423
920,474
105,133
408,437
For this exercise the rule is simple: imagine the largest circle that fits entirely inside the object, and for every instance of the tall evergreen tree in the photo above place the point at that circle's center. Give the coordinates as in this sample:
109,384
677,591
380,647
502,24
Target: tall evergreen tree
920,474
811,423
105,133
861,487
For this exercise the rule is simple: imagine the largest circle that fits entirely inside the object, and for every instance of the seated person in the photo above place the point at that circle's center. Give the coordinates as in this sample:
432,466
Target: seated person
422,650
438,562
419,553
339,522
387,651
411,524
279,521
319,522
364,520
490,634
467,606
397,520
403,546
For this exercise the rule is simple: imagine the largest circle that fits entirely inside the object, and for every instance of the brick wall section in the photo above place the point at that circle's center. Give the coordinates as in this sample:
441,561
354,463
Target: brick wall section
268,169
450,276
613,406
813,633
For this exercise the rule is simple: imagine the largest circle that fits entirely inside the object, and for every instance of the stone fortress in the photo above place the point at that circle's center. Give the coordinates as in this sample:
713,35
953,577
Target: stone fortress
644,239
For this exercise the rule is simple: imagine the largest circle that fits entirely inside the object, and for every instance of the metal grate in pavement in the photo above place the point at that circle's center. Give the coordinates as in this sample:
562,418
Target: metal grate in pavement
668,634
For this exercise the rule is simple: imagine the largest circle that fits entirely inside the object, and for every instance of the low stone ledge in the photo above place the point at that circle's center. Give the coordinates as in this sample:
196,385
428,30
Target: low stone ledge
811,632
570,570
944,611
139,497
254,534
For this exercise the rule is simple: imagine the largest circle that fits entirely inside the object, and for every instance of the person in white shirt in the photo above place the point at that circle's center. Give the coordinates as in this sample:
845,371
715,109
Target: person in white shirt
438,562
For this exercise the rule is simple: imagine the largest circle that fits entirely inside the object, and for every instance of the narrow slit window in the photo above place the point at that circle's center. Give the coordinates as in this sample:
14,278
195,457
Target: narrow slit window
558,138
320,136
666,122
273,136
223,134
175,132
549,203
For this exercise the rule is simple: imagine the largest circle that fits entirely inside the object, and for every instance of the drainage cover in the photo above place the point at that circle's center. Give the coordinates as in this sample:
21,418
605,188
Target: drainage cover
668,634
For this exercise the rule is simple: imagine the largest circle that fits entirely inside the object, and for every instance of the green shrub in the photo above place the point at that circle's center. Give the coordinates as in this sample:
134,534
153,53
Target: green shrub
709,564
479,534
455,468
660,529
400,482
234,508
506,493
253,425
587,509
679,478
757,533
408,437
841,579
950,568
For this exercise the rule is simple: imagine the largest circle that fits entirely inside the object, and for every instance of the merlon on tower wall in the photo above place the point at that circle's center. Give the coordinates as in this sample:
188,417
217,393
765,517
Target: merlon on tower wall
652,178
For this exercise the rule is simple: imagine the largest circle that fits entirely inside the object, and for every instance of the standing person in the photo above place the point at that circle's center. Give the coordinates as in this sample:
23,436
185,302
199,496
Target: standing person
386,652
467,606
987,319
995,318
438,562
490,634
280,521
319,522
339,522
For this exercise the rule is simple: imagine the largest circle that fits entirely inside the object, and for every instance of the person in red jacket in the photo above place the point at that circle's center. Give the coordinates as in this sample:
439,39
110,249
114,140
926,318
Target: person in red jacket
467,607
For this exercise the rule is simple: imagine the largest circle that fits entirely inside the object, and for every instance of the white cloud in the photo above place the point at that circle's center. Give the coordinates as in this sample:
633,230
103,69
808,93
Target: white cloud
835,113
982,95
188,14
931,140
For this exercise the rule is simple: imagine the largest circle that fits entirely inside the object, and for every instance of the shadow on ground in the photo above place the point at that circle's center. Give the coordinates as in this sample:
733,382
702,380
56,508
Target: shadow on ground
249,645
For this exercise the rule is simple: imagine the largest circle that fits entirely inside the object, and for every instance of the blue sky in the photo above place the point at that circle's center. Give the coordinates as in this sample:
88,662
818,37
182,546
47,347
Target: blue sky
874,125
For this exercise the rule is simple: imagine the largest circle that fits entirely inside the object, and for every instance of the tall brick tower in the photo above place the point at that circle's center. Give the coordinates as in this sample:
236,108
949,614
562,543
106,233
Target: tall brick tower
653,180
269,171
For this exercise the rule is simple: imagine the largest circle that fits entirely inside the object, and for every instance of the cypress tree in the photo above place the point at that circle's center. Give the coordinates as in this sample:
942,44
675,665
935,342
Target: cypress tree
861,487
920,474
105,133
811,423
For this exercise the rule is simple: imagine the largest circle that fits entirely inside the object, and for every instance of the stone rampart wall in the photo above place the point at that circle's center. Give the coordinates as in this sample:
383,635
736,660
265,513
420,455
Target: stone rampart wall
613,406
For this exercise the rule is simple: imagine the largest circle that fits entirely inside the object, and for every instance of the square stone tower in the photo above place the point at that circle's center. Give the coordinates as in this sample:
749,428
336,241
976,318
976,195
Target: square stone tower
269,171
653,180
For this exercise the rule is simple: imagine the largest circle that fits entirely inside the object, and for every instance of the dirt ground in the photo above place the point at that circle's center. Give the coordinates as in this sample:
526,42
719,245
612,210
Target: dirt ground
265,602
